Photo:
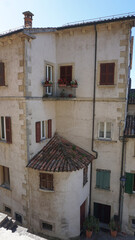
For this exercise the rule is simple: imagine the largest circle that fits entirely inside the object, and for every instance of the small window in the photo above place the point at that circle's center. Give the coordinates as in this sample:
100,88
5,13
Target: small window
105,130
46,181
7,210
5,180
6,133
18,218
107,73
43,130
66,74
133,223
85,175
46,226
2,74
103,179
49,78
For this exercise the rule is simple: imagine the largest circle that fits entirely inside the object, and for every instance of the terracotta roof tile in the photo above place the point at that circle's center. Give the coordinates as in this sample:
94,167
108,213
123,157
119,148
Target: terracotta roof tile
130,126
60,155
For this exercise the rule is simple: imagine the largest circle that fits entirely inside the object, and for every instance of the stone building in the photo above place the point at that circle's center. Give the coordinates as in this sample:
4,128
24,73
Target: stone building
63,105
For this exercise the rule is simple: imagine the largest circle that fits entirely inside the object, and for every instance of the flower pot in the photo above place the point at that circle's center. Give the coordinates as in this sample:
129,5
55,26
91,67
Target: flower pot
74,86
47,84
113,233
88,234
62,85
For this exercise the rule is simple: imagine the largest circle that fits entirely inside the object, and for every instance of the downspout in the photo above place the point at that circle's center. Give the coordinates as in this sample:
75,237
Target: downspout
93,117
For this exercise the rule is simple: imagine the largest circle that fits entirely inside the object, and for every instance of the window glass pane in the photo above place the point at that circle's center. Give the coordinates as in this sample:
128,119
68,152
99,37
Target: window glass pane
101,130
43,129
108,130
2,127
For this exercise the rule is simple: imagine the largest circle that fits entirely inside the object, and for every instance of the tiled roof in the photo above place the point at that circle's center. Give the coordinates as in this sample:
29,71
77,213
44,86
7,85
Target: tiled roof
130,126
131,98
60,155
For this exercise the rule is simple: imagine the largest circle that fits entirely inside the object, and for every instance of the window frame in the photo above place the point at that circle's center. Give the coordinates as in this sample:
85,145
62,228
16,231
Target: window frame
47,130
49,88
67,76
3,128
43,133
107,71
105,130
44,179
101,175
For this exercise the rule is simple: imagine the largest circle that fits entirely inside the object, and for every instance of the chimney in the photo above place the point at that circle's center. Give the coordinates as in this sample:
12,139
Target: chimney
28,19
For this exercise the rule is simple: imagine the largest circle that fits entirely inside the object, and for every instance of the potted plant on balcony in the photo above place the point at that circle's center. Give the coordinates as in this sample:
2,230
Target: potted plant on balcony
114,226
62,82
48,83
74,84
91,225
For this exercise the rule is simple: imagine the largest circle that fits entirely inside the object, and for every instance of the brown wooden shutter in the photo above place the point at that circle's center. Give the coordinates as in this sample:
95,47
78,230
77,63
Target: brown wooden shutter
38,132
8,130
107,73
66,73
49,128
2,74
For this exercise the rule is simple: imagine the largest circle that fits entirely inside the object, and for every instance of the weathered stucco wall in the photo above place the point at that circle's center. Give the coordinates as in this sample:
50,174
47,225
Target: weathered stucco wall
60,208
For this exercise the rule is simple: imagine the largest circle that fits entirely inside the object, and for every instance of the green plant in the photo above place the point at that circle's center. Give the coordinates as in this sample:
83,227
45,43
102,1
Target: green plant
91,224
114,225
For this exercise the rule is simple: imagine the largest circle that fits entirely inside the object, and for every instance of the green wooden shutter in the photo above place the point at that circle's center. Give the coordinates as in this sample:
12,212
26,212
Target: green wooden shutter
106,180
129,183
98,178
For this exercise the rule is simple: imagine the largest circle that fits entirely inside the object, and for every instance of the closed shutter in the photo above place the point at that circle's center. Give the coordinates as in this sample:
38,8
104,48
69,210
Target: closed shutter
38,132
2,74
98,179
106,179
129,183
49,128
8,130
107,73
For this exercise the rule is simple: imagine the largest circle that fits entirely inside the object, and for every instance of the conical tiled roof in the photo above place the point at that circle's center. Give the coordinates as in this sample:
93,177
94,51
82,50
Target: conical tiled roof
60,155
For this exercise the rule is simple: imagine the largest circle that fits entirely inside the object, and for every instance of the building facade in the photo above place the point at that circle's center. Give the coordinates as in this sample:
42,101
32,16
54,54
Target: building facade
72,80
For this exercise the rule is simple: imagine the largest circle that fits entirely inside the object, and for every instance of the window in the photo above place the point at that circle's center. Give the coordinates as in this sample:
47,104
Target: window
85,175
4,177
49,77
43,130
2,74
66,73
105,130
47,226
18,218
130,183
107,73
46,181
6,133
7,210
103,179
133,223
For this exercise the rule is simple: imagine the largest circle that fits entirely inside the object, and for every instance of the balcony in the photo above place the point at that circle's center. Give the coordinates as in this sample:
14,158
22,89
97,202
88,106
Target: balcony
59,90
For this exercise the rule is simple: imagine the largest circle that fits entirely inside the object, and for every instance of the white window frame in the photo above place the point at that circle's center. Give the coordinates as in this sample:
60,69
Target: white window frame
43,133
3,128
49,89
105,128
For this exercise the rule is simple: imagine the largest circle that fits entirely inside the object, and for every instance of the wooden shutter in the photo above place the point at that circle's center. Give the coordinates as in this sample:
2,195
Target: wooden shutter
8,130
38,132
107,73
49,128
98,179
129,183
2,74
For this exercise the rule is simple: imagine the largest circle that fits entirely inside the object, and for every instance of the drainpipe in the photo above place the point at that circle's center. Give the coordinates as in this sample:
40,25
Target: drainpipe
93,119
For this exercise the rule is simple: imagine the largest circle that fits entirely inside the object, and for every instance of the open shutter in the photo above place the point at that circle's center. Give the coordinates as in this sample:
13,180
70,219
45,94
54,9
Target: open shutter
38,132
129,183
2,74
49,128
8,130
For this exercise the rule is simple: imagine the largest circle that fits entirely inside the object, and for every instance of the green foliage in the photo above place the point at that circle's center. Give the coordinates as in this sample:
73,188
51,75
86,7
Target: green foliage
91,224
114,225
